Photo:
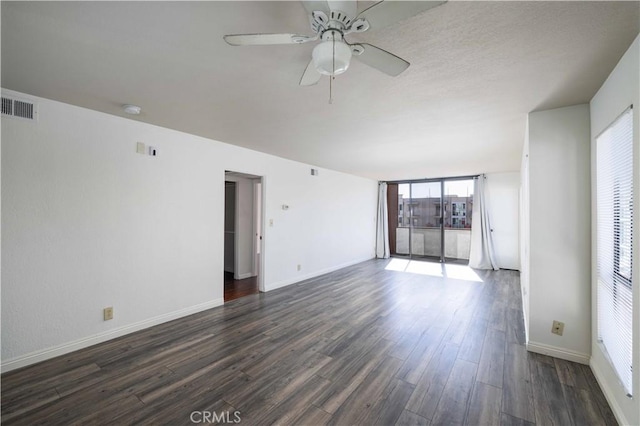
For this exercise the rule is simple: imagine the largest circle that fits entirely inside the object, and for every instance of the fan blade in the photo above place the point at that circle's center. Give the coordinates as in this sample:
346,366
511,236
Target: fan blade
266,39
311,75
350,7
382,60
389,12
314,5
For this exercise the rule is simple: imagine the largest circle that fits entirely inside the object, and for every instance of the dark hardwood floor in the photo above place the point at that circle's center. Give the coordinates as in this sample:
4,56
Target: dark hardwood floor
363,345
235,289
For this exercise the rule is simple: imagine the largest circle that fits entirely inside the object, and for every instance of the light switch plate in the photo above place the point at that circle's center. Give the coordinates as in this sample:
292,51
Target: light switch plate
140,148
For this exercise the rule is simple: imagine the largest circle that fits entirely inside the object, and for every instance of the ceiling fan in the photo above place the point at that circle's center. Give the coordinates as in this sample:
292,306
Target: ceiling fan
331,21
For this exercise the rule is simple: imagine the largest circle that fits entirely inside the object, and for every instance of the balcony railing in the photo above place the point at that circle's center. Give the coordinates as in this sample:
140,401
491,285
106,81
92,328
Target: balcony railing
426,242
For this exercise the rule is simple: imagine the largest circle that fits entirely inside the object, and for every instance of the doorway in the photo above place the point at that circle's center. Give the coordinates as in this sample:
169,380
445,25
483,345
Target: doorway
431,219
242,235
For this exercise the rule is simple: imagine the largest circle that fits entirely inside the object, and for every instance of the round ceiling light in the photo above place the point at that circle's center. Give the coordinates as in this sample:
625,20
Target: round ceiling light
331,57
132,109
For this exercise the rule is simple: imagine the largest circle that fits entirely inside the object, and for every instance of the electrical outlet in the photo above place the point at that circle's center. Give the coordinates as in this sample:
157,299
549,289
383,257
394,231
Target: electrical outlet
557,328
108,313
299,267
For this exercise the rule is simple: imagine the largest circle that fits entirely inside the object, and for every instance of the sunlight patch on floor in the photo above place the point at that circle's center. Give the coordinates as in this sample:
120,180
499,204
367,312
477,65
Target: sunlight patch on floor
434,269
399,265
425,268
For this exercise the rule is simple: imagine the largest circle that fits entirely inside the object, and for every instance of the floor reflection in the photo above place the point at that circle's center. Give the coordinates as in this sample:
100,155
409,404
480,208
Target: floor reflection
434,269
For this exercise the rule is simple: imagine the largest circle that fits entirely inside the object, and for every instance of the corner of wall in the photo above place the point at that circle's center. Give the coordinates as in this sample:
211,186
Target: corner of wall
524,230
557,255
558,352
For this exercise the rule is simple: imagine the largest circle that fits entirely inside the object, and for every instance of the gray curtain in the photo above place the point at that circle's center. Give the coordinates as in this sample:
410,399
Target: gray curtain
482,255
382,224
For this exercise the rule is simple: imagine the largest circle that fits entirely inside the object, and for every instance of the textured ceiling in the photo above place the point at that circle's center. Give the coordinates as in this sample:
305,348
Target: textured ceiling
477,68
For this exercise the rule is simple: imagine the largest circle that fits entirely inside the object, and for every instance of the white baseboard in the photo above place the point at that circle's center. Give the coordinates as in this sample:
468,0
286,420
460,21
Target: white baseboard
606,390
300,278
556,352
65,348
243,276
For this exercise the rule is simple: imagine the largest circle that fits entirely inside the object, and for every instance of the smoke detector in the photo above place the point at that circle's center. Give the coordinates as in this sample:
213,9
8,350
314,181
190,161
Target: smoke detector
132,109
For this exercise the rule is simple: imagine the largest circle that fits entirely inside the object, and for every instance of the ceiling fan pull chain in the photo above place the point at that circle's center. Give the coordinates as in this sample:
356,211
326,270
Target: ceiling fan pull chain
331,78
333,68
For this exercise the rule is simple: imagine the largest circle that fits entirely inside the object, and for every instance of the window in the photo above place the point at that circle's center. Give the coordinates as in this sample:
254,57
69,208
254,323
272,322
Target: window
614,213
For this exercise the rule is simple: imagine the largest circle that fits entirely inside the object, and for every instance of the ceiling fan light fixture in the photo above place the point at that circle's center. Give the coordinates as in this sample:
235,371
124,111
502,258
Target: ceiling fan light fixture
323,57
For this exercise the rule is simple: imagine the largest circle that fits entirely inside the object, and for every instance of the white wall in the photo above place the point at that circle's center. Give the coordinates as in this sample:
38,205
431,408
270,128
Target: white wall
621,89
503,200
89,223
559,236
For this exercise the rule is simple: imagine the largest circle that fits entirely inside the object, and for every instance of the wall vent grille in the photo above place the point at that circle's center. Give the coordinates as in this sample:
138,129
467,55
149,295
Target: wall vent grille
7,106
18,108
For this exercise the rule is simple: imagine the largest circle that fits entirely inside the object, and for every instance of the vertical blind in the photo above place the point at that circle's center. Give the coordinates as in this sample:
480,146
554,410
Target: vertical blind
614,212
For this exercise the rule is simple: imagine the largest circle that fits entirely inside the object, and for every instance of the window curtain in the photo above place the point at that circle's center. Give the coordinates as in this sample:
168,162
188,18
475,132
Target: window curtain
482,255
382,224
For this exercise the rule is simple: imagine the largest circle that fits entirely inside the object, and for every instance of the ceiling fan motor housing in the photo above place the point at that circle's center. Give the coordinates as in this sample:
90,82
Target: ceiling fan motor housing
337,20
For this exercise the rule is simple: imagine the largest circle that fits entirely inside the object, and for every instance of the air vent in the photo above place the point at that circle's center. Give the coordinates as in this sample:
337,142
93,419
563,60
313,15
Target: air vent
18,108
23,109
7,106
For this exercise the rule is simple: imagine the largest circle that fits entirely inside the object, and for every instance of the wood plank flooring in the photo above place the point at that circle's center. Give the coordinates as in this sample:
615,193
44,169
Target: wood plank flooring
235,289
363,345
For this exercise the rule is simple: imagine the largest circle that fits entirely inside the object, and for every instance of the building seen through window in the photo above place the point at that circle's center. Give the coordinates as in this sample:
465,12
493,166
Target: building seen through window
426,212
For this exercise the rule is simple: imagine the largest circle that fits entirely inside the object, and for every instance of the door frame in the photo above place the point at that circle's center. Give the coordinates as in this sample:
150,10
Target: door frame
256,216
258,240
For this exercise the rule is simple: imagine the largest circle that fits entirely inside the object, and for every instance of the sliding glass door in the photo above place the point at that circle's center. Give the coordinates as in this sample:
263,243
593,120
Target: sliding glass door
458,201
418,232
431,220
